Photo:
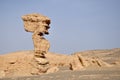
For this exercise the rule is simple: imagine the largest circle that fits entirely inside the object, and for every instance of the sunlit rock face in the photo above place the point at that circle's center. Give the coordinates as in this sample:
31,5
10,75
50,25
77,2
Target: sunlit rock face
38,25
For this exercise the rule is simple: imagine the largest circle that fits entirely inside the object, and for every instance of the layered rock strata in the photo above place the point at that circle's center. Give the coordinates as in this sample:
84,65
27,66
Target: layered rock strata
38,25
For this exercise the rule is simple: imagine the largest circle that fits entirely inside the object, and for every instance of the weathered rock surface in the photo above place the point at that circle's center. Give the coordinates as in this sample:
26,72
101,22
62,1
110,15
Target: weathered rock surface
34,21
20,63
38,25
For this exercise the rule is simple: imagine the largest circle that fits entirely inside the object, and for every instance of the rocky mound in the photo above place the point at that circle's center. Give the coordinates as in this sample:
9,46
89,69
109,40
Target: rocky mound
21,63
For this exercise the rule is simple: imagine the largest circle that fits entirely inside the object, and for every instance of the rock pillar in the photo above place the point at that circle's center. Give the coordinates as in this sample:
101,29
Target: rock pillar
38,25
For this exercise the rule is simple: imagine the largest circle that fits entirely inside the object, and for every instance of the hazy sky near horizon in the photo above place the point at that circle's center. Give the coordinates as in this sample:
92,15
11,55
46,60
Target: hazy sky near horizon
77,25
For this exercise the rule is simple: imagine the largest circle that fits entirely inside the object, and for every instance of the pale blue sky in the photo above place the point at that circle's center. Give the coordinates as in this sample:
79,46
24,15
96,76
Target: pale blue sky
77,25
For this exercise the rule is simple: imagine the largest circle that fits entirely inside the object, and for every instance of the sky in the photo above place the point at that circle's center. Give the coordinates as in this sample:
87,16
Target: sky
76,25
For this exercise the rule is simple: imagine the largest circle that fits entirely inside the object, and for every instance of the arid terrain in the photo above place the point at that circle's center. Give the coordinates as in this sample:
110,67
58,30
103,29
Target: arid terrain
86,65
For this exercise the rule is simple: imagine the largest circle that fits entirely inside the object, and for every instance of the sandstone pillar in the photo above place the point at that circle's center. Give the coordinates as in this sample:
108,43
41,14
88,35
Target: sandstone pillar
38,25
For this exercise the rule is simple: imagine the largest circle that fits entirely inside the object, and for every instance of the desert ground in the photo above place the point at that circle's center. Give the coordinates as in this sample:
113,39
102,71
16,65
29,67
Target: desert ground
90,65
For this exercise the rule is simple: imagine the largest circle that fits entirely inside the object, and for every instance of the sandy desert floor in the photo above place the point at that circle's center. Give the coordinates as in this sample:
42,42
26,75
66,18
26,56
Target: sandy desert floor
112,73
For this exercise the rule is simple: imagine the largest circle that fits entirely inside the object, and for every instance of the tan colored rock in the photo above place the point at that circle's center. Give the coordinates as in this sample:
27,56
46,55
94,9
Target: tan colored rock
38,25
25,65
77,63
99,63
39,66
41,61
41,46
53,69
2,74
34,21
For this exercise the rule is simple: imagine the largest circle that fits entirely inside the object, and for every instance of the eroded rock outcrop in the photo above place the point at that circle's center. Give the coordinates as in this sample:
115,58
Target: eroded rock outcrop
23,64
38,25
75,61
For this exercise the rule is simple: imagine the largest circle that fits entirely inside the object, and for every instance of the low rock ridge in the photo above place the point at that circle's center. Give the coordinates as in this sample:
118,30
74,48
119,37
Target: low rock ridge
22,63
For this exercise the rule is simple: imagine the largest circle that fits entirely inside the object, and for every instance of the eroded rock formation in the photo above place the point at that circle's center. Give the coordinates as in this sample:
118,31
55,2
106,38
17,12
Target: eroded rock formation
38,25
